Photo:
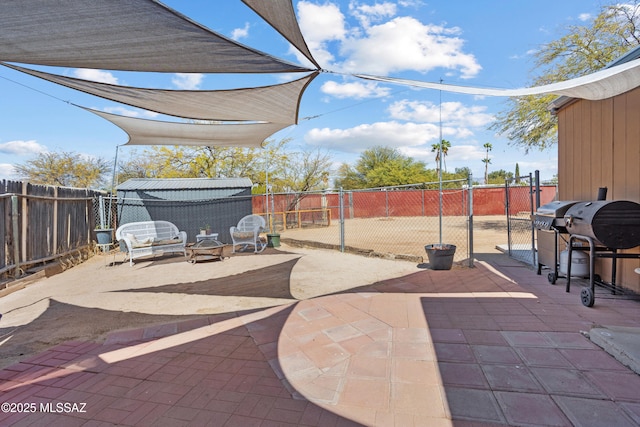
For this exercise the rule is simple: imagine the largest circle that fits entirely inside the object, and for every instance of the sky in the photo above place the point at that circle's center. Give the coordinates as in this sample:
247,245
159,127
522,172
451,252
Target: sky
481,43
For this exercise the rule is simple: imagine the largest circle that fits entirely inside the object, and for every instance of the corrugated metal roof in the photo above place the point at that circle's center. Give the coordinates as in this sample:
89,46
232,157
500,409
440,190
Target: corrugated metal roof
183,183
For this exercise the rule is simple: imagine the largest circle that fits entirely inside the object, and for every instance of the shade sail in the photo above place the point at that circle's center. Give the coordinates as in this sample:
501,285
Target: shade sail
276,103
281,16
602,84
154,132
129,35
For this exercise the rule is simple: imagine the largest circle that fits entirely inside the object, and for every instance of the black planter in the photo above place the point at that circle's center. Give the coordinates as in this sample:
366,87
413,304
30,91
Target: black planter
104,236
440,256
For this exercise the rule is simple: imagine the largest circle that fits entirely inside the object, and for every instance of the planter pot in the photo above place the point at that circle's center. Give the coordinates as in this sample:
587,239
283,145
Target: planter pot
273,240
104,236
440,256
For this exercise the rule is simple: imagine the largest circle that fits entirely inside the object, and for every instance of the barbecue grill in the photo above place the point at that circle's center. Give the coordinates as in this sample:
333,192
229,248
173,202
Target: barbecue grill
607,226
614,224
550,224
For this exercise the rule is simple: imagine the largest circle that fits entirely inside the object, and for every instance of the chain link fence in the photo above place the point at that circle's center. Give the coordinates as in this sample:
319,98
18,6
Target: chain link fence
523,196
389,222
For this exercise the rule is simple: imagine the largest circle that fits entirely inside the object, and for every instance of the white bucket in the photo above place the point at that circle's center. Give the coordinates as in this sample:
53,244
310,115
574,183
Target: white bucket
579,263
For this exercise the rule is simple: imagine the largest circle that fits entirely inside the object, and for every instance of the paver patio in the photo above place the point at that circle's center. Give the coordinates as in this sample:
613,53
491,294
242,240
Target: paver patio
492,345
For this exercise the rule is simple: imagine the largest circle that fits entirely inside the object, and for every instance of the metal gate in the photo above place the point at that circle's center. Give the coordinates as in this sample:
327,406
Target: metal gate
519,208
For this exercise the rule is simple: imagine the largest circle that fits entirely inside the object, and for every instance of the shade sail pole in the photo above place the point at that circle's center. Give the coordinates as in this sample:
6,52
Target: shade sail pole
440,171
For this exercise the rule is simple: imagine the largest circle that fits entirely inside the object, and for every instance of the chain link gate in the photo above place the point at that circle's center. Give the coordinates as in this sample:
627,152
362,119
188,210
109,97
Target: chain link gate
519,200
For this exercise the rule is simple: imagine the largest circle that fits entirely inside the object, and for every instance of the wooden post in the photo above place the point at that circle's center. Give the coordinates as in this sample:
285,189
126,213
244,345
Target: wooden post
14,231
55,221
25,221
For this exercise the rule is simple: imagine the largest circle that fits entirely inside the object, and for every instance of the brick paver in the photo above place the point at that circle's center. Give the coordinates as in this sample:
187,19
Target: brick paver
433,348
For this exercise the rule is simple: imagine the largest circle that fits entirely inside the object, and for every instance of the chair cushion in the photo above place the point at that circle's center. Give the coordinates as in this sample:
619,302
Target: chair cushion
138,243
162,242
243,234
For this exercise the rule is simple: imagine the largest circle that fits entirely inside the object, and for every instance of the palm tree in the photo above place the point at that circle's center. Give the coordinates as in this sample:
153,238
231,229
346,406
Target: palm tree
486,162
443,148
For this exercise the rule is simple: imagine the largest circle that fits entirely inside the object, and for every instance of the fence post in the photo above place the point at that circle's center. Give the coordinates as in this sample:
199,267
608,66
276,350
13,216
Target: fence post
386,202
537,189
470,210
14,231
341,209
506,207
533,229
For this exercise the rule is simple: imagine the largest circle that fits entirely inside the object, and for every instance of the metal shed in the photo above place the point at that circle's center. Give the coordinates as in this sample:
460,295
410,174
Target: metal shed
189,203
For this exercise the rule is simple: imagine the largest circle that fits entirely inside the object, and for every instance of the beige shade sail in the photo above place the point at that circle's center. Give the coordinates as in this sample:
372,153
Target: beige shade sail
281,16
276,103
154,132
602,84
128,35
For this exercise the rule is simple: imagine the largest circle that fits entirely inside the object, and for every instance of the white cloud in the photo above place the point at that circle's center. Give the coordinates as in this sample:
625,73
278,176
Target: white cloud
362,137
240,33
372,13
321,24
405,43
7,171
357,90
584,17
96,75
187,81
379,47
453,113
22,148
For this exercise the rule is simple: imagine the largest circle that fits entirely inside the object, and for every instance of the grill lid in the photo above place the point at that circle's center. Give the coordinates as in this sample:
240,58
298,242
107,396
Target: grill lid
551,215
555,209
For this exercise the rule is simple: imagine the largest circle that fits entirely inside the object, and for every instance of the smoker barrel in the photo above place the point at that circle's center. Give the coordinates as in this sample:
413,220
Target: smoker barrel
614,224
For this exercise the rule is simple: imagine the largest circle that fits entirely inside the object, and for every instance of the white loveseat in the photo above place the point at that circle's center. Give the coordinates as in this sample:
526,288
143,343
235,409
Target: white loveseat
150,238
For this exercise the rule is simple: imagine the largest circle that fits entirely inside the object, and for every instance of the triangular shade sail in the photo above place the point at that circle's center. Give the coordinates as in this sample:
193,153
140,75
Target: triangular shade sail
281,16
153,132
602,84
130,35
276,103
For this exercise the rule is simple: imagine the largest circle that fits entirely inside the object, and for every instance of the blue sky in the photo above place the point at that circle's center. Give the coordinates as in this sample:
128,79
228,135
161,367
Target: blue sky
474,43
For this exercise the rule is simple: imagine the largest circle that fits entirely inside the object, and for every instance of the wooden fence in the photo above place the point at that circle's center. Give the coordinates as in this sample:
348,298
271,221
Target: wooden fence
42,223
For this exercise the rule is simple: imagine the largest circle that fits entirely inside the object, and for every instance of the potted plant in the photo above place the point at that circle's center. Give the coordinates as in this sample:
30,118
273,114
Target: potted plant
104,234
440,255
205,229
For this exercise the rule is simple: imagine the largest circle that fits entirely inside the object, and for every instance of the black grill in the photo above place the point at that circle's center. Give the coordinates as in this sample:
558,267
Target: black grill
613,224
551,215
606,226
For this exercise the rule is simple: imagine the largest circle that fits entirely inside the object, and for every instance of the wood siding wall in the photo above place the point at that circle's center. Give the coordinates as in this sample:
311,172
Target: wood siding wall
599,146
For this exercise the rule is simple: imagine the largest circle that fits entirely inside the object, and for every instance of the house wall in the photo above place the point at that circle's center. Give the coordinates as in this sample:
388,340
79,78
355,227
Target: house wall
599,146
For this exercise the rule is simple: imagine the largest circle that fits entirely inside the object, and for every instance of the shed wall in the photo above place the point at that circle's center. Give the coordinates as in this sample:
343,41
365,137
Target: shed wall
188,211
599,146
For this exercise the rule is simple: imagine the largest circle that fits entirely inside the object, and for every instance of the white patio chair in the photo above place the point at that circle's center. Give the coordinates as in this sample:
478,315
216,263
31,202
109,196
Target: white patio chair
247,233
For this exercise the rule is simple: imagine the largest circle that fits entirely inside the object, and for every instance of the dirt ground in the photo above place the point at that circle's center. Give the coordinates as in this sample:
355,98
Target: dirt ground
105,294
409,235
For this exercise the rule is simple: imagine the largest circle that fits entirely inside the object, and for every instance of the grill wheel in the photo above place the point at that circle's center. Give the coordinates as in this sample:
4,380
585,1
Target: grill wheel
587,297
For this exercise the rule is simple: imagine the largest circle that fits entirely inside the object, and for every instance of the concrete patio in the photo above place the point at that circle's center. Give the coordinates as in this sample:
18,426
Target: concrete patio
490,345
